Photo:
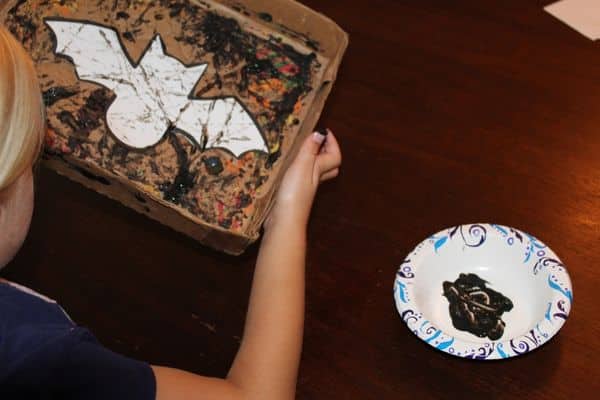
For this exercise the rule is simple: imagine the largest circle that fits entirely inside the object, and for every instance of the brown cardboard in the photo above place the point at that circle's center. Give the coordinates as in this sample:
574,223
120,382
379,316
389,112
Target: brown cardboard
291,23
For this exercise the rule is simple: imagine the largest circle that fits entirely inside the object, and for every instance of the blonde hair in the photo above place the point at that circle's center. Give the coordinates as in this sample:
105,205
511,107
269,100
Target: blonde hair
22,121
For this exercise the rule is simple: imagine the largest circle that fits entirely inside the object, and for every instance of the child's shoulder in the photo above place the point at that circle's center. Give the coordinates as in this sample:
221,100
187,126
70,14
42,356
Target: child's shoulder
43,351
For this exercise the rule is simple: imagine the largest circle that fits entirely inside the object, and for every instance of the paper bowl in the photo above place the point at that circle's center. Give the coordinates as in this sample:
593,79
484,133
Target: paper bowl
513,263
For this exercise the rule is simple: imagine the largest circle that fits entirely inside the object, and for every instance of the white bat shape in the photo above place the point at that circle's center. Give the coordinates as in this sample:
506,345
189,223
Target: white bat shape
154,95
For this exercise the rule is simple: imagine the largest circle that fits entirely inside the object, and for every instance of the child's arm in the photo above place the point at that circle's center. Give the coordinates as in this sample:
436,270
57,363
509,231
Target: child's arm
266,365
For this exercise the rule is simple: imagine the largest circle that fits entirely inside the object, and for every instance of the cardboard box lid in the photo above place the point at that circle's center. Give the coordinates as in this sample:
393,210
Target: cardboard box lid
279,21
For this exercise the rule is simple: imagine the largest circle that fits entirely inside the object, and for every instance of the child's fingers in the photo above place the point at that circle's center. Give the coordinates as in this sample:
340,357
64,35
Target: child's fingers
327,162
330,174
331,156
311,146
331,144
331,149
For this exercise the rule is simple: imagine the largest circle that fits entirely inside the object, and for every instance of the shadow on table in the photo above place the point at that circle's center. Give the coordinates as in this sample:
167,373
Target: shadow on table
441,374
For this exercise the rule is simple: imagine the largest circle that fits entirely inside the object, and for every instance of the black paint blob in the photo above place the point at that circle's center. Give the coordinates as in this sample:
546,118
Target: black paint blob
184,180
475,308
265,16
57,93
213,165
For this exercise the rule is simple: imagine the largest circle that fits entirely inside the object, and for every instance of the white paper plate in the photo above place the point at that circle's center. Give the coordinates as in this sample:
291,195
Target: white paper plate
513,263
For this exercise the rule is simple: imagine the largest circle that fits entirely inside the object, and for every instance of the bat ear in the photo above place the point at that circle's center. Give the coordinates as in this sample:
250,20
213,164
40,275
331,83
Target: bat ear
157,55
63,31
157,45
156,50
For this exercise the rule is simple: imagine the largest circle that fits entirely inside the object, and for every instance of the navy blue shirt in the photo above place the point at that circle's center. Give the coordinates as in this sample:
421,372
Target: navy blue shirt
44,355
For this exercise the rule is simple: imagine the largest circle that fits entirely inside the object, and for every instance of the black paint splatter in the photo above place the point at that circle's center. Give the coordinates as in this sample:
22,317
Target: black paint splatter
68,119
119,153
265,16
230,45
184,180
223,37
25,21
313,44
93,111
244,200
226,223
129,36
273,157
140,198
90,176
175,9
213,165
57,93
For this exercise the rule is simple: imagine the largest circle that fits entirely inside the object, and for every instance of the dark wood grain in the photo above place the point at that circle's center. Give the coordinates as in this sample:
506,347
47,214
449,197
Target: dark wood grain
448,112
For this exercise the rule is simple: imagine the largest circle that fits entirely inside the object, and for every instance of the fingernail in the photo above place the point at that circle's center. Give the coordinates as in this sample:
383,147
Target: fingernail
318,137
323,131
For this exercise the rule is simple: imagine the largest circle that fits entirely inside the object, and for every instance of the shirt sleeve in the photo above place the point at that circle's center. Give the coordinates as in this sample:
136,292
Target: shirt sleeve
73,365
92,372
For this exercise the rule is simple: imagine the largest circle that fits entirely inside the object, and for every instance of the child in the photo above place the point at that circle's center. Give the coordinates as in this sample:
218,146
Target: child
45,355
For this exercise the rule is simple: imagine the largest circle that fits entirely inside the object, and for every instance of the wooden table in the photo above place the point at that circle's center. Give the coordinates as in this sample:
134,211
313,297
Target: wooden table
448,112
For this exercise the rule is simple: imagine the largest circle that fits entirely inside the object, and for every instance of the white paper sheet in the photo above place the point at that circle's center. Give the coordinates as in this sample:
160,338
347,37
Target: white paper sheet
581,15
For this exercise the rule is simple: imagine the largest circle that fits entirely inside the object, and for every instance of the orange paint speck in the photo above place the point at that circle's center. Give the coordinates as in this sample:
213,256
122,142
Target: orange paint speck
297,107
63,10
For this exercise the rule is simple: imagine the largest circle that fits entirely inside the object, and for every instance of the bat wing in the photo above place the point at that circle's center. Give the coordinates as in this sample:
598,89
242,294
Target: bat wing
99,57
95,50
222,123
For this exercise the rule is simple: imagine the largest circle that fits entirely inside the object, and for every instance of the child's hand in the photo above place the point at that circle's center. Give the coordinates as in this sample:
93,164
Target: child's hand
316,162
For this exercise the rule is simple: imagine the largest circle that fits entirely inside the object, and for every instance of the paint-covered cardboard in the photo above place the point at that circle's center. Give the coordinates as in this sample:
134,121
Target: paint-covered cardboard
186,111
